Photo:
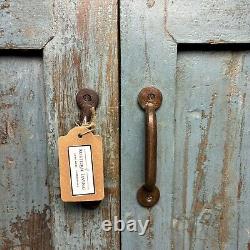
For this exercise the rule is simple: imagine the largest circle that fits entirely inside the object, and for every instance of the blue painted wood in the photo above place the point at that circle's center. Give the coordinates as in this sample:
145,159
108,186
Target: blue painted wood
203,125
203,130
25,24
209,21
24,195
148,57
210,187
83,53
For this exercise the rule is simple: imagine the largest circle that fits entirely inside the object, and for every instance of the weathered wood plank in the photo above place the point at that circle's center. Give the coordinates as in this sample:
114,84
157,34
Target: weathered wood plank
204,21
25,24
212,135
148,57
24,195
202,149
84,54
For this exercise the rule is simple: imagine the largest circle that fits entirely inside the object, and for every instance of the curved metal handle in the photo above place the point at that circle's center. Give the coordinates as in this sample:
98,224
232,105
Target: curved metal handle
150,100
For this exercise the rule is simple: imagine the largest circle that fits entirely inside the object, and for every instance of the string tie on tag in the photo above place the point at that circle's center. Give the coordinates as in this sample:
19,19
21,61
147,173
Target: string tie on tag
88,125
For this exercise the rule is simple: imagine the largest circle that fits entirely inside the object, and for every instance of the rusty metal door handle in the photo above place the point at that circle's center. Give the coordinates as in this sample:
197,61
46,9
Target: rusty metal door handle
150,100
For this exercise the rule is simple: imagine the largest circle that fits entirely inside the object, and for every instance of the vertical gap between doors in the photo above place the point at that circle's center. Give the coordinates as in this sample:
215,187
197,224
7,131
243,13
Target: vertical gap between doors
119,109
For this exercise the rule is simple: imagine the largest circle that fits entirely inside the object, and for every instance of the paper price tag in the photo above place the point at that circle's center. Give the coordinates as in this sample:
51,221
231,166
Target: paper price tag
81,166
81,170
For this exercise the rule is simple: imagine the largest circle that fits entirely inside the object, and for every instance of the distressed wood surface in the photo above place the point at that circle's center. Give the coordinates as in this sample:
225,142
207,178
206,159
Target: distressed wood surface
148,57
209,21
24,196
25,24
203,130
203,144
83,53
212,140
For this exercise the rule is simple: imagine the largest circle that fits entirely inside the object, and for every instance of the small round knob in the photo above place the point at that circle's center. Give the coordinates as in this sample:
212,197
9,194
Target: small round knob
150,95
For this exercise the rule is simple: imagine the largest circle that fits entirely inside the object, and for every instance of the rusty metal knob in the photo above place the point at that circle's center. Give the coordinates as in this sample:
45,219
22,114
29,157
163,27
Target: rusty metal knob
86,99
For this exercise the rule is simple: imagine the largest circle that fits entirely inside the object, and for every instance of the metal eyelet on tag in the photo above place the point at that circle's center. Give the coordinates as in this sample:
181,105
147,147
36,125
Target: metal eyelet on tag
81,156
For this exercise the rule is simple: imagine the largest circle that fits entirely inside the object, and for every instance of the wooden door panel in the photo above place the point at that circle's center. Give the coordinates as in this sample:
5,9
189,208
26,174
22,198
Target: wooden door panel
202,124
206,21
25,24
25,213
211,144
83,53
148,57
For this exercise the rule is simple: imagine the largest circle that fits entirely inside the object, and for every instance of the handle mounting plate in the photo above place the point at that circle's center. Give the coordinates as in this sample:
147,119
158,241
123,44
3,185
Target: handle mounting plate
148,198
150,96
86,99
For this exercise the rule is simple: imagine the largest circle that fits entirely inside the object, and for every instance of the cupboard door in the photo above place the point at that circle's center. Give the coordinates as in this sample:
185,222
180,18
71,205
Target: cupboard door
197,54
48,51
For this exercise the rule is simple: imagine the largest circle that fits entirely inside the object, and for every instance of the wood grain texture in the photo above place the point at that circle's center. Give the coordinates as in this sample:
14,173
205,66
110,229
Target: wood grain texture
148,57
212,135
24,195
209,21
202,125
25,24
83,54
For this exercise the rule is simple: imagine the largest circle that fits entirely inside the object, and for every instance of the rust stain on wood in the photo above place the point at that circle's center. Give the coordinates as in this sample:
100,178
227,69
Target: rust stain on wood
7,130
11,127
9,161
5,5
222,197
83,10
239,189
242,127
220,41
62,100
3,135
77,63
32,232
9,92
5,105
234,68
220,204
185,165
92,61
150,230
150,3
197,205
